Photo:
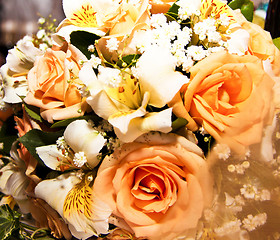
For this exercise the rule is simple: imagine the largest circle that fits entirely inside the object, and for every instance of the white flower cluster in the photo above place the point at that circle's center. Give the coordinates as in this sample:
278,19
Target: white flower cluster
239,168
252,222
172,36
252,192
228,228
110,76
222,151
79,159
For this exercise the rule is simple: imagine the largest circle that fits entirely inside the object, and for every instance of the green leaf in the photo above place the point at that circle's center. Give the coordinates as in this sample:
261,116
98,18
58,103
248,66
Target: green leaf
83,39
9,221
66,122
36,138
128,60
172,13
8,135
33,112
246,7
276,42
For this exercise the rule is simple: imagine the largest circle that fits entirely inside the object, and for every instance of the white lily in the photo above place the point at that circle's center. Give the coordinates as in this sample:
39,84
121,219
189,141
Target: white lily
157,75
76,203
125,106
81,137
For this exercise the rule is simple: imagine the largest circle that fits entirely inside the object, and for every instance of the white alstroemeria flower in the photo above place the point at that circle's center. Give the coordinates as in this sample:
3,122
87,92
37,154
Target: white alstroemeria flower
75,201
13,180
21,58
86,15
125,106
14,85
81,138
19,61
238,42
157,75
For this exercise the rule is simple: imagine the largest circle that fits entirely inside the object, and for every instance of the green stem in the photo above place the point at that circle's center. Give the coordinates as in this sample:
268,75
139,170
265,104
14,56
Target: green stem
38,230
26,226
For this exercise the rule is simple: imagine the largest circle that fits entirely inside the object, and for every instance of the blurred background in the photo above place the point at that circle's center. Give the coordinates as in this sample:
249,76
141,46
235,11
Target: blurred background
19,18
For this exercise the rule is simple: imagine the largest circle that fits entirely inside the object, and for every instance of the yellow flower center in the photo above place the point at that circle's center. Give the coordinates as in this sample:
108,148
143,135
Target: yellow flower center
79,199
216,8
85,17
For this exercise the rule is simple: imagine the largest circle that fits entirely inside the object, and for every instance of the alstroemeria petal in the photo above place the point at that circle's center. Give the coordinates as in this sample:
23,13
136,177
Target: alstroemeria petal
81,137
84,211
66,28
157,75
54,191
53,158
122,119
21,58
14,86
155,121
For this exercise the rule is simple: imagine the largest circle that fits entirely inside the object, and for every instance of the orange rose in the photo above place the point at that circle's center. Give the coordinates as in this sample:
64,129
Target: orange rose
158,185
230,96
261,44
161,6
53,84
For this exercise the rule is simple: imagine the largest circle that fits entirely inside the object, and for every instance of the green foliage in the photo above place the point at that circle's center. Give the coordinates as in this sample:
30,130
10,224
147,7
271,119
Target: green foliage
83,39
276,42
8,135
36,138
246,7
9,222
172,13
128,60
33,112
66,122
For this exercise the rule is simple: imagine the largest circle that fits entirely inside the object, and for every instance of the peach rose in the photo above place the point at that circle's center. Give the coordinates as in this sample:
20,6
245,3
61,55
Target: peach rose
230,96
261,44
53,84
160,6
131,18
159,185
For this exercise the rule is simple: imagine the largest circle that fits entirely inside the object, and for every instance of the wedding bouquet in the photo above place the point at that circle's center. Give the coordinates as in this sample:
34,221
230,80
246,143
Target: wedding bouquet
142,119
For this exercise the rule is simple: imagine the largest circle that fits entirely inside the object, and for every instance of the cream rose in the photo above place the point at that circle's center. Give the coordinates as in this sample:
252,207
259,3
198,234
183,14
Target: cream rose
132,18
159,185
53,84
230,96
260,43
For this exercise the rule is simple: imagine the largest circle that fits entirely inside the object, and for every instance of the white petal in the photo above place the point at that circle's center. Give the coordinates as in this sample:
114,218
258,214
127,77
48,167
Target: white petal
81,137
51,156
160,121
65,29
157,75
54,191
12,93
21,58
238,42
